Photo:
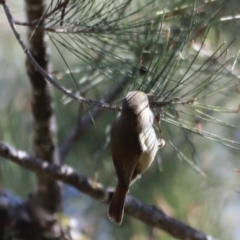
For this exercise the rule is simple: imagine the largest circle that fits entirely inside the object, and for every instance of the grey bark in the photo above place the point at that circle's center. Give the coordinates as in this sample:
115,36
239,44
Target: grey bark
48,190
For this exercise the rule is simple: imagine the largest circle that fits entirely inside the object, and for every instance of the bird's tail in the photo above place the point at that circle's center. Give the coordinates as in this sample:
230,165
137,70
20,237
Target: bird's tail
116,208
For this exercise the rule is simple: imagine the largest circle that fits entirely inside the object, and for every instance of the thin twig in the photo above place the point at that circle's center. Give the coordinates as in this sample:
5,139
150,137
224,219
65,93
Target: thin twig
135,208
171,102
35,22
63,11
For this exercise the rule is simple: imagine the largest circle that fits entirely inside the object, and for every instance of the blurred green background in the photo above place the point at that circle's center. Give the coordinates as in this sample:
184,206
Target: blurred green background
210,204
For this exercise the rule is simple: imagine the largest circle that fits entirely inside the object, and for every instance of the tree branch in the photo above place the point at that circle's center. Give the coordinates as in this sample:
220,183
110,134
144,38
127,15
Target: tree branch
66,91
45,130
135,208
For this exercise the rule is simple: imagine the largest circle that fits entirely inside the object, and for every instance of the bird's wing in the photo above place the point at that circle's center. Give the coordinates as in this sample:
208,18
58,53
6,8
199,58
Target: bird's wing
126,151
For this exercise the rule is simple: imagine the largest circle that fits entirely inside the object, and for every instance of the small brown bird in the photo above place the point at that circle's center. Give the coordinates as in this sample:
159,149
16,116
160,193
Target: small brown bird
134,145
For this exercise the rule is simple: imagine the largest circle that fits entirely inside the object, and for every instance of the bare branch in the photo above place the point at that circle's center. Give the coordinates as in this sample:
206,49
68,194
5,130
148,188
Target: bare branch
135,208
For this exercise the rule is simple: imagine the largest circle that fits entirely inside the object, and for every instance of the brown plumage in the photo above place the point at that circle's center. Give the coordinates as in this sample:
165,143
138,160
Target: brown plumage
134,145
